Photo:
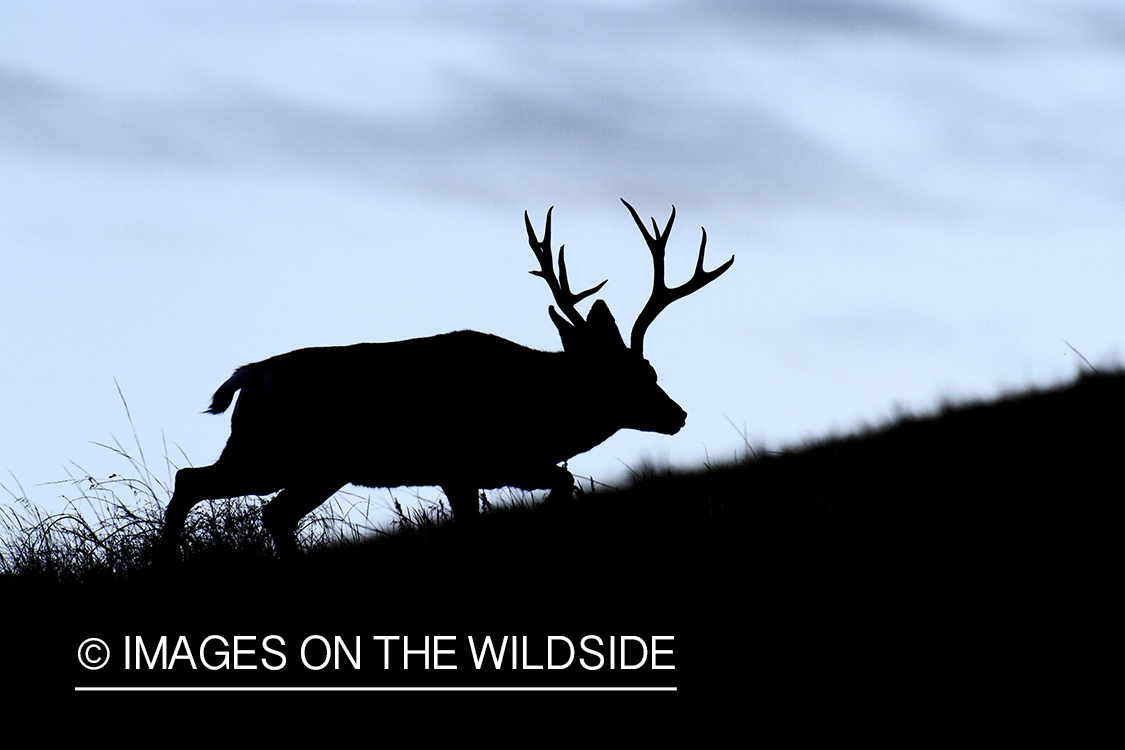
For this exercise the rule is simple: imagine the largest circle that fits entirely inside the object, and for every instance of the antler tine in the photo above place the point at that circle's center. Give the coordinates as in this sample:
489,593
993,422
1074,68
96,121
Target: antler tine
661,295
657,242
560,285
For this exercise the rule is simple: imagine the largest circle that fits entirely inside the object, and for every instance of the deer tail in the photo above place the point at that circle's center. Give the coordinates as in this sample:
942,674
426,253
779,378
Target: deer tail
222,398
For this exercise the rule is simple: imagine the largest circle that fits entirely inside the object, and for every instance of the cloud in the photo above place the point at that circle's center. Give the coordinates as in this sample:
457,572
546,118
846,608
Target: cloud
849,18
488,139
649,100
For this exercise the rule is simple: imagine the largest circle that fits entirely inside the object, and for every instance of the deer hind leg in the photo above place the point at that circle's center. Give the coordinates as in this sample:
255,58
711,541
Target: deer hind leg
282,514
204,483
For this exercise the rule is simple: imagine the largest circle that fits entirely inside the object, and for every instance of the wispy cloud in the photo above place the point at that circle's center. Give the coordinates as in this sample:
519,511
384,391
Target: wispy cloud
567,97
573,95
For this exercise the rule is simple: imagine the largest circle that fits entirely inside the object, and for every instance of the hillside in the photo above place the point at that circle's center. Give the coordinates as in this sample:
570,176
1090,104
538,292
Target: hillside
970,548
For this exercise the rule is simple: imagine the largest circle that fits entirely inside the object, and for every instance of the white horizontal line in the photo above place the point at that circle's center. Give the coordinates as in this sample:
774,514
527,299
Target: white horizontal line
159,689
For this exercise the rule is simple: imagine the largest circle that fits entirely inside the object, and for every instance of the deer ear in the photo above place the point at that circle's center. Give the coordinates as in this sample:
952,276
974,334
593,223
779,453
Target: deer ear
603,327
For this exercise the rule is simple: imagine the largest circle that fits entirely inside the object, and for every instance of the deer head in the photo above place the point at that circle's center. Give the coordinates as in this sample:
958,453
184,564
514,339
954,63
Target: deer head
627,375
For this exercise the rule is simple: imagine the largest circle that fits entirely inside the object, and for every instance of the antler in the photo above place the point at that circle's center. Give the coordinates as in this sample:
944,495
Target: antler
560,287
661,295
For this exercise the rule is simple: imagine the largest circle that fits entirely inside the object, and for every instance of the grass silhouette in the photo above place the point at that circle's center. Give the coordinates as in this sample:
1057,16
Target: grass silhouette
979,542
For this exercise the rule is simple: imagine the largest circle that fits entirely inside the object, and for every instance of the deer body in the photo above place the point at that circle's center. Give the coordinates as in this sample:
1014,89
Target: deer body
464,411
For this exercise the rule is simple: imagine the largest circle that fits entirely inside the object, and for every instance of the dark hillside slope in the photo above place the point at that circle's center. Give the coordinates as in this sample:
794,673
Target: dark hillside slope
968,551
1030,485
977,547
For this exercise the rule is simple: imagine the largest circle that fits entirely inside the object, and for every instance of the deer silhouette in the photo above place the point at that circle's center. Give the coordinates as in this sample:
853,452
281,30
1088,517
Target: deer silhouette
464,411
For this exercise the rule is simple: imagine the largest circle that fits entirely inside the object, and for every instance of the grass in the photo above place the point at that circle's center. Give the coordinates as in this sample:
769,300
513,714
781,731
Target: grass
982,539
110,530
1045,462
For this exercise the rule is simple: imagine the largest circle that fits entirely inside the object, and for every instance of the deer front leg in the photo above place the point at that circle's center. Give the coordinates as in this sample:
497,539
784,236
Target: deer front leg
560,482
463,501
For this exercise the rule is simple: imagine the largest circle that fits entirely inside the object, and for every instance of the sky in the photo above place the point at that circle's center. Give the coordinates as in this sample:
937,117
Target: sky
924,199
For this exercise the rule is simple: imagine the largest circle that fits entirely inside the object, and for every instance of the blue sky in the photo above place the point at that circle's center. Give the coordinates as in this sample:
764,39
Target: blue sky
925,199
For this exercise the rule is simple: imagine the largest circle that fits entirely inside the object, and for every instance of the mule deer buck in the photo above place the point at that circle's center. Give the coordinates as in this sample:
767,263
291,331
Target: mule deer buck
464,411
